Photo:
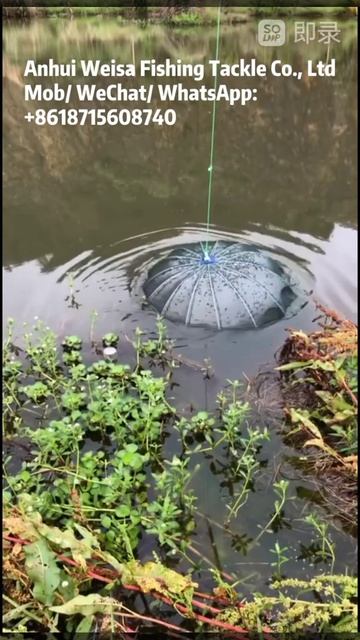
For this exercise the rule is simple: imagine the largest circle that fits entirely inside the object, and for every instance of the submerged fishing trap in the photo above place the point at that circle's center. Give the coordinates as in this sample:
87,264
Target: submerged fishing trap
228,285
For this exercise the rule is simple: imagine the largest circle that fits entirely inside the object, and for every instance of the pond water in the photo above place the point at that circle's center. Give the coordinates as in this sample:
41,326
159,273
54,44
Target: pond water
88,210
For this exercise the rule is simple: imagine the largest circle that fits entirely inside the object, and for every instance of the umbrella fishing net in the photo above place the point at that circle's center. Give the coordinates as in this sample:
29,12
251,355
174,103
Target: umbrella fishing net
228,285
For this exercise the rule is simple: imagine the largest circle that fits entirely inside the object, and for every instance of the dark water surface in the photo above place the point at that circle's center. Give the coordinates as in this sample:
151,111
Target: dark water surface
88,210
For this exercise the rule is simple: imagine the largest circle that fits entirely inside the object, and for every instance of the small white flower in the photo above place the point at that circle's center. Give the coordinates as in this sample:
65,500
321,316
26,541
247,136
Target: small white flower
64,583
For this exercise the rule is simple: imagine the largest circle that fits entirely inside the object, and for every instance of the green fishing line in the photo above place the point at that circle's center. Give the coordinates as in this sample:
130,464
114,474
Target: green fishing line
212,141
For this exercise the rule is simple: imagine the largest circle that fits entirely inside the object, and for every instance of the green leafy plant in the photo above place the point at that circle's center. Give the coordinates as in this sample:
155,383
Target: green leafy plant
58,442
43,570
326,550
280,489
170,515
200,425
281,558
72,343
158,348
36,392
110,340
247,466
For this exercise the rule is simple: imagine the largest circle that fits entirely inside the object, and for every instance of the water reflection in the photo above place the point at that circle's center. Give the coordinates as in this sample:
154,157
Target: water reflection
287,160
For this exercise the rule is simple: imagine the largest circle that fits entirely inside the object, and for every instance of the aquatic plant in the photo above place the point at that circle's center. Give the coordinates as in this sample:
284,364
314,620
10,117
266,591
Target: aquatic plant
280,489
72,343
109,490
157,348
110,340
334,610
281,558
326,549
71,297
95,483
246,467
201,425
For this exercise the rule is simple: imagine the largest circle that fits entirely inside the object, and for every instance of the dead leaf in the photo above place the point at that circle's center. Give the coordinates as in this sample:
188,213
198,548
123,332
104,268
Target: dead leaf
319,442
16,550
303,418
87,605
153,576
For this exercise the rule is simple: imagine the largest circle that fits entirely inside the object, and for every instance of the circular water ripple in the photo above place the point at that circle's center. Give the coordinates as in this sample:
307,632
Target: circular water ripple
125,264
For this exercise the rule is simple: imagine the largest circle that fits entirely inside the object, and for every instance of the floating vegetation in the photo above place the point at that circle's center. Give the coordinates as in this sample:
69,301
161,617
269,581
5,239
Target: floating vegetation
96,485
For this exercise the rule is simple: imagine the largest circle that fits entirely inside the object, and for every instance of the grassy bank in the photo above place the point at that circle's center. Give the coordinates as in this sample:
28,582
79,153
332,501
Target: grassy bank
320,385
320,388
177,16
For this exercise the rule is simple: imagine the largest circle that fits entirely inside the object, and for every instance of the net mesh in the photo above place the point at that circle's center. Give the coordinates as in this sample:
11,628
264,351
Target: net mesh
226,285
